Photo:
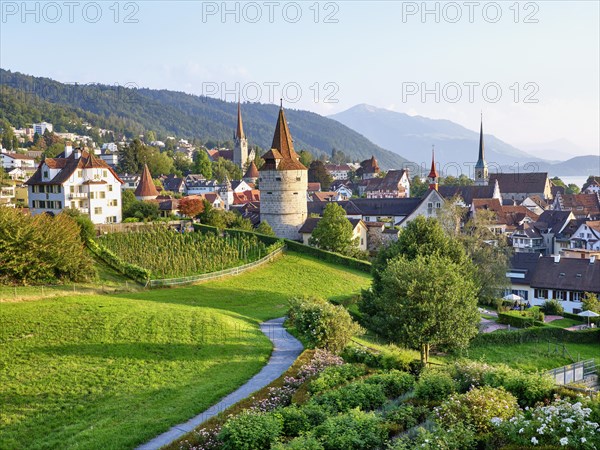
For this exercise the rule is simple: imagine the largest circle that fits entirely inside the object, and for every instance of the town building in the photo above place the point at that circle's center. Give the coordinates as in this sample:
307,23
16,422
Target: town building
12,160
251,174
520,185
77,180
338,171
146,189
581,205
241,156
369,168
359,231
395,184
283,184
40,128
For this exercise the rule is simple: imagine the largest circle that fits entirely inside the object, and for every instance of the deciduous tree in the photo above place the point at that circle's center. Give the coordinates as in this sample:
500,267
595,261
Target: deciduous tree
334,231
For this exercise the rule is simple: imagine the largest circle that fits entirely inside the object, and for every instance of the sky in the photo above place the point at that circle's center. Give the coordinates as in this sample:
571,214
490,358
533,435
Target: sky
531,68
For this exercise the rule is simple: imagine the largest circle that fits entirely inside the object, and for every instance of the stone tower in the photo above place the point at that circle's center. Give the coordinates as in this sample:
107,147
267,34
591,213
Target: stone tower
226,193
283,182
240,149
481,168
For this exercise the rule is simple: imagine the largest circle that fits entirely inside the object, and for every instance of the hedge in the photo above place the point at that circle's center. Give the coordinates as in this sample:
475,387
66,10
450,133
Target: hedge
518,321
536,334
132,271
294,246
595,320
330,257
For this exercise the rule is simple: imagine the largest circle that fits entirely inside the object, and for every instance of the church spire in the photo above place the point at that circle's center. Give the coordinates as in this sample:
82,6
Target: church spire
433,175
481,169
282,139
239,132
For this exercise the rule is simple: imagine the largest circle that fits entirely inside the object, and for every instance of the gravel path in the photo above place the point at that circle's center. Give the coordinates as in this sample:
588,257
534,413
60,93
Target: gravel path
286,349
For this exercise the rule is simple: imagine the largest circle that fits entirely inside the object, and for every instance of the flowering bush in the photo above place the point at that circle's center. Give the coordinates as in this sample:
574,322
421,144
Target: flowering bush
434,385
469,374
477,408
458,437
529,388
560,424
321,324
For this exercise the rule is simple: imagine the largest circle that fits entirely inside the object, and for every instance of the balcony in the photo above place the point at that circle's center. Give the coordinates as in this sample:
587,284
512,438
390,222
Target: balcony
73,195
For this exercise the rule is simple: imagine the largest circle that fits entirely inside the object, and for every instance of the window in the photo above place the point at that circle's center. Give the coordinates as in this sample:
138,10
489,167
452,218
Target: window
438,205
104,173
575,296
540,293
42,204
45,174
73,205
97,210
430,205
277,178
560,295
80,173
72,189
102,194
110,188
92,195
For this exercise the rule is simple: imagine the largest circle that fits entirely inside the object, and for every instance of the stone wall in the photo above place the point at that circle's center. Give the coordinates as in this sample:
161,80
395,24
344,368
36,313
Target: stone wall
283,201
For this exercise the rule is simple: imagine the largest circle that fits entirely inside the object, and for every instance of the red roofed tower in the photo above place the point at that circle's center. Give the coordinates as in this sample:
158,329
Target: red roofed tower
146,189
283,184
433,175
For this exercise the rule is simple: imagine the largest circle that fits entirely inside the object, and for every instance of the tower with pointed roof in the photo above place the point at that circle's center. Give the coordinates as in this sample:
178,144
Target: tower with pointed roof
481,168
240,149
252,173
283,182
433,175
226,193
146,190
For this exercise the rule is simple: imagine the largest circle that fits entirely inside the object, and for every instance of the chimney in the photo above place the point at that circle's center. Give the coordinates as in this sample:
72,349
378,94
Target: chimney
592,259
556,259
68,149
77,153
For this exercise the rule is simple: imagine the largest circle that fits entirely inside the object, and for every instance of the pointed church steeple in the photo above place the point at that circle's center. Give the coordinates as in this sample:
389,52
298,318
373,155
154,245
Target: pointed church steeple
481,169
433,175
239,132
240,149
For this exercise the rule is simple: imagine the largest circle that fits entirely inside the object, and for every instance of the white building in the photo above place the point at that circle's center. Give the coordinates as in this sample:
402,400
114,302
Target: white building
11,160
40,128
79,180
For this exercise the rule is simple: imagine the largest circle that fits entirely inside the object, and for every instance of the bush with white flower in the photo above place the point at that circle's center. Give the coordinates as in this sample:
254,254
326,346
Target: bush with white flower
561,423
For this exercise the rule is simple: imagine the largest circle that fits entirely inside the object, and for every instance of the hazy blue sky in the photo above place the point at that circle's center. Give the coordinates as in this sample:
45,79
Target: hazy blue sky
378,53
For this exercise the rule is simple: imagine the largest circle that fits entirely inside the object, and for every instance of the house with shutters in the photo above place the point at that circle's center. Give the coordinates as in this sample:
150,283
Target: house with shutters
79,180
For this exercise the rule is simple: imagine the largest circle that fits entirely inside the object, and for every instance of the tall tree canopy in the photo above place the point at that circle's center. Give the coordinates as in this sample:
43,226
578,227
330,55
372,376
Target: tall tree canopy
334,231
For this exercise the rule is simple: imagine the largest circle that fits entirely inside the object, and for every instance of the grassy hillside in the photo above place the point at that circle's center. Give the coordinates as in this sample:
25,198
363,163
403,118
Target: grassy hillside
112,371
132,111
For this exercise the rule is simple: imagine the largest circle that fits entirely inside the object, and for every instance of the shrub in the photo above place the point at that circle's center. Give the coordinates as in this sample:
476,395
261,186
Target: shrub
354,395
336,376
521,320
529,388
295,420
537,334
458,437
469,374
477,408
322,324
559,424
394,383
434,385
390,358
355,430
129,270
405,416
251,431
552,308
305,442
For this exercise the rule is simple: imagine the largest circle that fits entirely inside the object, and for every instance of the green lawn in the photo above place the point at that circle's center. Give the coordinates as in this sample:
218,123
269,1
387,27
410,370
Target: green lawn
533,356
564,323
112,371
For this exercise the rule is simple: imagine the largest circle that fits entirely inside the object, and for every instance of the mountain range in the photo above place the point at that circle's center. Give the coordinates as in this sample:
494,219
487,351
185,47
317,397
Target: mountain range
394,138
133,111
456,147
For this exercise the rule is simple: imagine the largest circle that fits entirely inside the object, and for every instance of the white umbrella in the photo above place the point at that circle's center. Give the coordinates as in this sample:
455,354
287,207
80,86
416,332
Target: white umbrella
514,297
588,314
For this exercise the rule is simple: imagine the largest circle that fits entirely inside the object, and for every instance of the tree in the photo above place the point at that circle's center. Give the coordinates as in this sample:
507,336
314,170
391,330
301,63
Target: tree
191,206
572,189
306,157
142,210
202,164
223,167
418,188
127,199
264,228
88,231
427,301
182,162
132,158
334,231
317,173
591,303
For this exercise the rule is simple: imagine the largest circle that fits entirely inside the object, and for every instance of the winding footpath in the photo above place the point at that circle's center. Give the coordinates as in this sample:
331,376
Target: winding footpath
286,348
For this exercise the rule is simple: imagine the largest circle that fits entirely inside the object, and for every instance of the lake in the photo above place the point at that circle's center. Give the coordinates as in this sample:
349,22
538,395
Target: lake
579,180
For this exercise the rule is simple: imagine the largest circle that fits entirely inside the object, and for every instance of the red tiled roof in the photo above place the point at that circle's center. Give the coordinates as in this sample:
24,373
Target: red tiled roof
282,149
146,187
252,171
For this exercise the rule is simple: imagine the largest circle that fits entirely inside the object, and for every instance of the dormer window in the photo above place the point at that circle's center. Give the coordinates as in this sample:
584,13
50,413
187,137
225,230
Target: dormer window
45,174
